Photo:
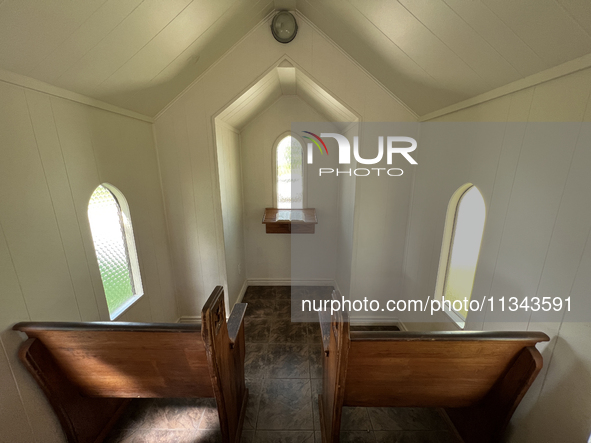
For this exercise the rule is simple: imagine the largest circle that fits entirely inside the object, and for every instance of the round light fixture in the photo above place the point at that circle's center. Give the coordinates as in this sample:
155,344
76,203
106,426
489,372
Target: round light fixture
284,27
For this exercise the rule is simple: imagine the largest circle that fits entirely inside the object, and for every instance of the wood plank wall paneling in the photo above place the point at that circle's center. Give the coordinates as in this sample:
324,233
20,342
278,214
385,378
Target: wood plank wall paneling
54,153
346,228
28,121
184,132
231,194
536,235
282,256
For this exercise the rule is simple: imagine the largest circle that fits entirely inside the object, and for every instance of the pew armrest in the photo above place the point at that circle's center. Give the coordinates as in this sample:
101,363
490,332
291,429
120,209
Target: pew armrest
325,320
235,322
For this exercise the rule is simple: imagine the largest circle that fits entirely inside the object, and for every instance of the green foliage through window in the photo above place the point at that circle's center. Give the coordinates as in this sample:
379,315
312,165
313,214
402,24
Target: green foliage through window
111,229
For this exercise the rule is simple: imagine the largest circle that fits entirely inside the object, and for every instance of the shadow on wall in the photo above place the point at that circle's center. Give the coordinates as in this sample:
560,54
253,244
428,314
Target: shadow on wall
33,401
561,413
440,321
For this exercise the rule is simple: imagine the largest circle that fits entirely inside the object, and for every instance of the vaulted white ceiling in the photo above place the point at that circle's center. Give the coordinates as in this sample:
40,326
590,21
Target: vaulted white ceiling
140,54
433,53
136,54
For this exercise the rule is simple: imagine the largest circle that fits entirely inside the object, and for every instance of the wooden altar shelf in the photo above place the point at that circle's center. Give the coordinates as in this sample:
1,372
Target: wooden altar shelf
290,221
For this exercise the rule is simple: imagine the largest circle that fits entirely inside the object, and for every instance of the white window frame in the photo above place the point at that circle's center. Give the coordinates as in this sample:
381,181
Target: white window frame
135,272
304,168
446,249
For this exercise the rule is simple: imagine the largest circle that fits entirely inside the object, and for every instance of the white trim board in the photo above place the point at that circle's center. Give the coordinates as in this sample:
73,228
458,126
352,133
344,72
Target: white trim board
194,319
242,292
377,322
289,282
359,321
553,73
373,321
197,318
23,81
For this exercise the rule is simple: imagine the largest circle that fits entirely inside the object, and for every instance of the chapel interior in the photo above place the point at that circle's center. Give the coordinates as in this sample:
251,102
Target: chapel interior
179,179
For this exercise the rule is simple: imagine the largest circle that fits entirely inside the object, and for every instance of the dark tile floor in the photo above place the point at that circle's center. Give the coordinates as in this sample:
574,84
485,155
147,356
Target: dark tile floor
284,376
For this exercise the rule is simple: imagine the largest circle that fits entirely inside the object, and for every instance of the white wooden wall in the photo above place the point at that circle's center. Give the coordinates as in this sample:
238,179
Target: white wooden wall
231,193
54,153
279,258
536,234
346,224
380,221
186,150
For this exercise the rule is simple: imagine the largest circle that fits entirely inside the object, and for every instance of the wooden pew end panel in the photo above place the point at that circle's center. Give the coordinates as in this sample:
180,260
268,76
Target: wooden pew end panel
89,371
477,378
487,421
82,419
225,349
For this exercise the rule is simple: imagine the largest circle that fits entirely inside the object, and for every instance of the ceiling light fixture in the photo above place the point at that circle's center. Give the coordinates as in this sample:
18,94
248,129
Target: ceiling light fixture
284,27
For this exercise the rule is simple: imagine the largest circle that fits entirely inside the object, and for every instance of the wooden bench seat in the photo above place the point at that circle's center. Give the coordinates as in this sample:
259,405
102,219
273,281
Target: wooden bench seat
478,378
90,371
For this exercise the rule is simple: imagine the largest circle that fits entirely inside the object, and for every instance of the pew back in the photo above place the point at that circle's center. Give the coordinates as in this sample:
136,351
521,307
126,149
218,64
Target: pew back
477,378
128,360
89,371
429,369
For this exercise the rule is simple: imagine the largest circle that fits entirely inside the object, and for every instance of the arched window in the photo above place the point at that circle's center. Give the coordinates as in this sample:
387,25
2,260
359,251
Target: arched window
112,234
461,245
289,183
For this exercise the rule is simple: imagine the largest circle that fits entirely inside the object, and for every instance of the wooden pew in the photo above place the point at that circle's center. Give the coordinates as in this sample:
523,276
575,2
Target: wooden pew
478,378
90,371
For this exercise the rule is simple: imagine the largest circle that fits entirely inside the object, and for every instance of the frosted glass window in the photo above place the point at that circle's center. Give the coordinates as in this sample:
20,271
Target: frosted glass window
289,174
112,235
465,247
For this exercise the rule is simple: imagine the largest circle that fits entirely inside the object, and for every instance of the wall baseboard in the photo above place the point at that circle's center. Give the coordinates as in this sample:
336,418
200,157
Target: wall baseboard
189,319
359,321
289,282
378,322
193,319
242,292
